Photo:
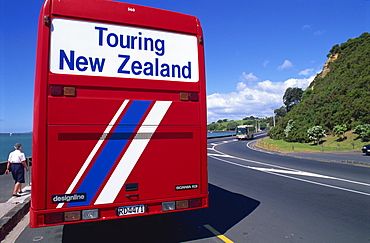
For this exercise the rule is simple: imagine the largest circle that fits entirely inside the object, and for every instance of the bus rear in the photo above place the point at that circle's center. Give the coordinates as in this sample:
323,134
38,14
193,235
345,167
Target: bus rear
119,113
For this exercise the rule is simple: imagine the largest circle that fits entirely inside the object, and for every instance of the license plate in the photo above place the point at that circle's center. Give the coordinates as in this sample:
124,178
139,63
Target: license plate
129,210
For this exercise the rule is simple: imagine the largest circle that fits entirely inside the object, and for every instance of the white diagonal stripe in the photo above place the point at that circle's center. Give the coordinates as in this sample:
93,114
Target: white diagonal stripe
95,149
133,153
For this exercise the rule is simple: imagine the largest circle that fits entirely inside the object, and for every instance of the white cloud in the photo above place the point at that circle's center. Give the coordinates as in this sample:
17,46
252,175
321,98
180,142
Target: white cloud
307,27
286,64
319,32
265,63
307,72
259,100
296,82
241,86
248,77
310,29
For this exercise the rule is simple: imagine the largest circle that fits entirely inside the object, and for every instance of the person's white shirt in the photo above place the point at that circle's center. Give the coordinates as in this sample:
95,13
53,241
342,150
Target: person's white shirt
16,156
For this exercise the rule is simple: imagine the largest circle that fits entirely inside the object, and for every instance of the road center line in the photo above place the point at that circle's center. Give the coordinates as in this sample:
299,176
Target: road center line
218,234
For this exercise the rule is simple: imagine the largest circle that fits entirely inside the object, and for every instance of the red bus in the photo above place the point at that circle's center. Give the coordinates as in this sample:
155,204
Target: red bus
119,113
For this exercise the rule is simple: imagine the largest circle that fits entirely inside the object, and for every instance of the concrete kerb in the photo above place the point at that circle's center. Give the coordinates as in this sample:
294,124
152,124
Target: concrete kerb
12,212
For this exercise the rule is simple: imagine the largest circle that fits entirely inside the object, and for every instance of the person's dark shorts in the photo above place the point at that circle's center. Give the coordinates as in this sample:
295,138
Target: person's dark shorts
17,172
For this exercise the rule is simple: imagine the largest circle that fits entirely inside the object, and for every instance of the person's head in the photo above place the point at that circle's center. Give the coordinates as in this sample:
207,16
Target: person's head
18,146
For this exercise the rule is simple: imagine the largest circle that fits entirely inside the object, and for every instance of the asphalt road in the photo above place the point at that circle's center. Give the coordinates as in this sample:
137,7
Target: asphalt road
254,197
299,200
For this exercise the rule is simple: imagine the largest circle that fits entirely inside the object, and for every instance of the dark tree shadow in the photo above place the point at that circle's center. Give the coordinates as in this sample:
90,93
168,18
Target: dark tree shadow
226,209
320,142
341,139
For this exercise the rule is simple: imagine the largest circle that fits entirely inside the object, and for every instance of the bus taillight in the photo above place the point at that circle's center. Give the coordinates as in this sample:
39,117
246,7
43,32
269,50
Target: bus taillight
62,91
53,218
71,216
182,204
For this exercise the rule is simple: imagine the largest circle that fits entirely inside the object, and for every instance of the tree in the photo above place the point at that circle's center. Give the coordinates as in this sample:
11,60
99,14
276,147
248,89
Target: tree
292,96
281,112
315,133
339,130
335,49
232,126
212,126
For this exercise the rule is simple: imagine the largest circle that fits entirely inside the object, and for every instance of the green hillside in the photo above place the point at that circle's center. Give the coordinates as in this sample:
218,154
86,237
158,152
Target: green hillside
339,95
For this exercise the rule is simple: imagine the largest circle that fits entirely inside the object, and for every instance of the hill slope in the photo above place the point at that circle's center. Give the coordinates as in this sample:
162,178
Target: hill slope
340,94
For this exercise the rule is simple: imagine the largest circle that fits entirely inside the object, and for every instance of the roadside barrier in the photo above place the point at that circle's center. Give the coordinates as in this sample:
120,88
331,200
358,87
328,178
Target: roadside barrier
3,165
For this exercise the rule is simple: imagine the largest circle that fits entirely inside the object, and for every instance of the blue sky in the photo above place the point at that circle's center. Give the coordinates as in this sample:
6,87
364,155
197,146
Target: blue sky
254,50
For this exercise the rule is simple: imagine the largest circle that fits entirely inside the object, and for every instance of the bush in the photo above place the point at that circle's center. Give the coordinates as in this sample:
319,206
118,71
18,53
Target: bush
315,133
363,131
289,127
339,130
275,133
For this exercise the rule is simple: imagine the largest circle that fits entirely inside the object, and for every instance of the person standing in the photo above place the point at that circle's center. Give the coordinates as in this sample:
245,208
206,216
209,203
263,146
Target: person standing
16,164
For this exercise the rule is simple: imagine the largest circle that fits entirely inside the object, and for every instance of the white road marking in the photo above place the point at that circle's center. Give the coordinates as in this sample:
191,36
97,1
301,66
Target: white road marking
293,172
220,155
323,184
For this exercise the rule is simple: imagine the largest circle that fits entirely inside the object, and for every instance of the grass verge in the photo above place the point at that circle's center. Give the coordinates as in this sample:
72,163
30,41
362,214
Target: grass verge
329,143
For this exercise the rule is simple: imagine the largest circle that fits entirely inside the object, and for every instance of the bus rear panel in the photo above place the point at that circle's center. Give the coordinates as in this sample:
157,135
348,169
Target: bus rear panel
120,113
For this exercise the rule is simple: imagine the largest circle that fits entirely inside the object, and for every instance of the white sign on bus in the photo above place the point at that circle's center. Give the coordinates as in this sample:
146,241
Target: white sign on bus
97,49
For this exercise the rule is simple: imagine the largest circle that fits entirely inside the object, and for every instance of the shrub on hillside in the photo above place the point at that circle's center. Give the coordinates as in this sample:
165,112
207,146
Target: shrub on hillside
315,133
363,131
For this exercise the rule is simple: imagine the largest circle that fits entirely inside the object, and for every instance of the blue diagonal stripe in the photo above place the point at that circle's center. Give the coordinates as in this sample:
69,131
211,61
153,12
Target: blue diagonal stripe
110,152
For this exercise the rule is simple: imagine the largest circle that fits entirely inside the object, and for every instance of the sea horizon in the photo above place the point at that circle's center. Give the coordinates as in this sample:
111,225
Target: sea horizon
7,142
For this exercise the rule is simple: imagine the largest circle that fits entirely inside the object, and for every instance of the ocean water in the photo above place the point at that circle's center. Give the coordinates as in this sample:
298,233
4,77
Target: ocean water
218,134
7,144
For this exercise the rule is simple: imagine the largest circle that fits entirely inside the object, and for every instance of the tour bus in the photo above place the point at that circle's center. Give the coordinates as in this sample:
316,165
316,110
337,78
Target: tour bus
245,132
119,113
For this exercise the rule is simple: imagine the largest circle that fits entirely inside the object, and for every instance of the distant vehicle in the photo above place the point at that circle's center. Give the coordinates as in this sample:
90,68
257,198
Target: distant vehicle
366,149
245,132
